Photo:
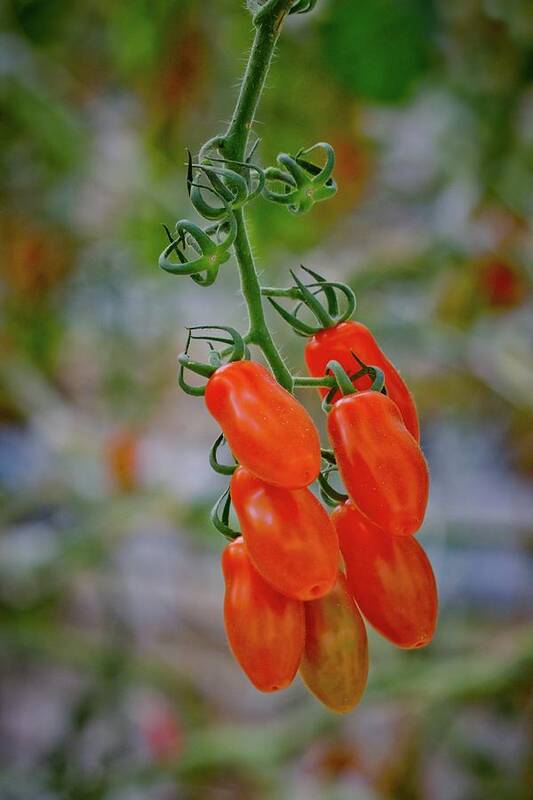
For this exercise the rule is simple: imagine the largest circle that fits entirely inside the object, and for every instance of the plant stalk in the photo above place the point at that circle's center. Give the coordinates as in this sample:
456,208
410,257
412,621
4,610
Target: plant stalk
233,145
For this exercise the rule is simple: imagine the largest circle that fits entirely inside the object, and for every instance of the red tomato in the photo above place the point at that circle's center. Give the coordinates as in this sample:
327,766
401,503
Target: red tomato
382,466
268,431
501,283
290,537
390,578
265,630
338,343
335,660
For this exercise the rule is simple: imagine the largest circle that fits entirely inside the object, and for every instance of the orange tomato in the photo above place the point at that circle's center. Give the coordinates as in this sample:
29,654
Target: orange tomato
265,630
290,537
268,431
381,464
390,579
337,344
335,659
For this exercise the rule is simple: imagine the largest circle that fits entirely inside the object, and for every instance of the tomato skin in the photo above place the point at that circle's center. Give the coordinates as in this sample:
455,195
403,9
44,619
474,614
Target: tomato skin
265,630
290,537
267,429
390,579
382,466
338,343
335,659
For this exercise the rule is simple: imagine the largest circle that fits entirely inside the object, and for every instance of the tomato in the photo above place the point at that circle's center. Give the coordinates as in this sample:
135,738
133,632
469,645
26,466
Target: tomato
338,343
335,659
501,284
265,630
122,456
290,537
390,579
382,466
268,431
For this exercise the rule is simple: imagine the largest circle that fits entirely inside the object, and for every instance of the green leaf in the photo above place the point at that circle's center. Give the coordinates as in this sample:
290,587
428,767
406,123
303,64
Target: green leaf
378,48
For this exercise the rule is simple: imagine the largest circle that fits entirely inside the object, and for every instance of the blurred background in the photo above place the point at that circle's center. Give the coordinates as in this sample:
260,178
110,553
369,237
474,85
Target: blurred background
116,681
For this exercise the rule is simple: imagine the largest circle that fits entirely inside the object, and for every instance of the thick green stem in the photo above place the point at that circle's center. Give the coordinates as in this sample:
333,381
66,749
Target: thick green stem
233,146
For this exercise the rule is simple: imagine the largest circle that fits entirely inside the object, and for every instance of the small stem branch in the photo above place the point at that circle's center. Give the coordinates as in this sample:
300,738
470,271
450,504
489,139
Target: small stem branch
233,146
302,382
292,292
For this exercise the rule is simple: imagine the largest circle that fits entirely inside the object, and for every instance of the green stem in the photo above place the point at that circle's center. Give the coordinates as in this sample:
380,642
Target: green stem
302,382
233,146
276,291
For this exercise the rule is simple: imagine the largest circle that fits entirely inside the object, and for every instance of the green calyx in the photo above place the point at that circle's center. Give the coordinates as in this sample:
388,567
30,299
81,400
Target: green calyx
303,183
220,516
235,350
199,253
221,469
303,6
329,494
233,183
345,382
327,314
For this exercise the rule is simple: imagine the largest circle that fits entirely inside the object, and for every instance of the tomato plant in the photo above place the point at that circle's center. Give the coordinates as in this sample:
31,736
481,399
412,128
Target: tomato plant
287,555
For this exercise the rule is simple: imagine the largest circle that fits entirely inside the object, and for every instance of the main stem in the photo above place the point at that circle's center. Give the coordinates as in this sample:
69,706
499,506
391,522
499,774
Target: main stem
233,146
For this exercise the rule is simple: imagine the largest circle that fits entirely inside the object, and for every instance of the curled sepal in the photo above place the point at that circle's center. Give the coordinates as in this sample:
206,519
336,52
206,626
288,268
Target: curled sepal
222,469
303,182
303,6
231,187
226,185
237,348
375,373
329,289
237,189
209,248
328,456
220,516
188,388
236,351
326,314
327,500
345,382
332,496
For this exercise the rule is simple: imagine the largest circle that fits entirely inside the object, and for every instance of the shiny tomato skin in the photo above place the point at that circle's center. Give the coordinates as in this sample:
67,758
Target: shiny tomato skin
381,464
338,343
390,579
290,537
268,431
265,630
334,664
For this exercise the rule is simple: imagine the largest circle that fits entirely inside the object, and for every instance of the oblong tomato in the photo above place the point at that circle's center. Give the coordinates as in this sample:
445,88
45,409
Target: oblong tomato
338,343
334,664
268,431
290,537
390,579
265,630
381,464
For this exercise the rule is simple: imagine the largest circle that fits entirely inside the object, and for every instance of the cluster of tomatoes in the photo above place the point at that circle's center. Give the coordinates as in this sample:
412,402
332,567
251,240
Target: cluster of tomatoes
299,579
